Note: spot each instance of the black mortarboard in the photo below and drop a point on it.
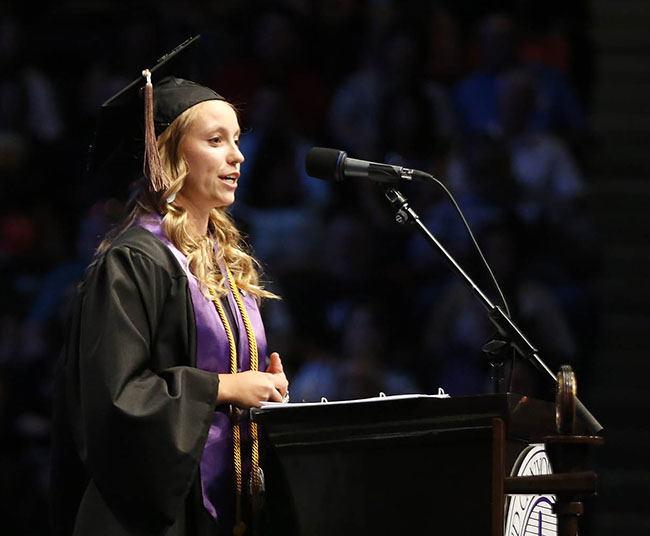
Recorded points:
(119, 142)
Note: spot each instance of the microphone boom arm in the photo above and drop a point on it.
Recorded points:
(503, 323)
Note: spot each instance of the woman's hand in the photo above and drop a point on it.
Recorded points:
(249, 389)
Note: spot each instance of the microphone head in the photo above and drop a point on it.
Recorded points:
(323, 163)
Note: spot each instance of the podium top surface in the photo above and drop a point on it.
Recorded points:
(524, 418)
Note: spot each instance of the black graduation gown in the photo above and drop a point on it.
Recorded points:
(132, 412)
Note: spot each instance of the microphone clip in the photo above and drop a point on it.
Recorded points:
(402, 210)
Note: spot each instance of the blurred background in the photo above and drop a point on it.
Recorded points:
(534, 114)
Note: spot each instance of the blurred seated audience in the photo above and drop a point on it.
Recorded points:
(458, 327)
(557, 108)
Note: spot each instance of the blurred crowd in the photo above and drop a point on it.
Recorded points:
(492, 98)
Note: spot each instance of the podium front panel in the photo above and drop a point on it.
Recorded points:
(419, 464)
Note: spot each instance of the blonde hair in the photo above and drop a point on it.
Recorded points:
(202, 260)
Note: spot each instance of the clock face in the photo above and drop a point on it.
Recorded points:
(531, 515)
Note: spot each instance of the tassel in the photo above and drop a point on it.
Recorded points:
(152, 167)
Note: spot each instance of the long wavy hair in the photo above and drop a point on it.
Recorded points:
(202, 260)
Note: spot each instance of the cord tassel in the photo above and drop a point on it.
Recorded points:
(152, 167)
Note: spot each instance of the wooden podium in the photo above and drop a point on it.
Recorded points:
(414, 465)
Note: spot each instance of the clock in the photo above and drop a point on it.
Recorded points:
(531, 515)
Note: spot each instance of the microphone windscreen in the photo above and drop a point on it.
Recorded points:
(322, 163)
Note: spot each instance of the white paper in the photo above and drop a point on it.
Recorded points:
(381, 398)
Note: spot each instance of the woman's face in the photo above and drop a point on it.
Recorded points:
(211, 148)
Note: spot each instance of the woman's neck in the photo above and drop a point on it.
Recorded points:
(197, 216)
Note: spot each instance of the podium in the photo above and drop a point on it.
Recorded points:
(420, 465)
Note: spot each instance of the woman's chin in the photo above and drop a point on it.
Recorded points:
(224, 201)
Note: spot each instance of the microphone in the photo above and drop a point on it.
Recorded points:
(334, 165)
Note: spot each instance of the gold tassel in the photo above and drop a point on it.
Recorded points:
(152, 167)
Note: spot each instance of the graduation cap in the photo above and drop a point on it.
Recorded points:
(130, 121)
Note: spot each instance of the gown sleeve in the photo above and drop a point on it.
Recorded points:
(140, 412)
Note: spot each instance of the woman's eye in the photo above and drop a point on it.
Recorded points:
(216, 139)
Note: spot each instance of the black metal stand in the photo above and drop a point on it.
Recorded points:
(495, 350)
(504, 325)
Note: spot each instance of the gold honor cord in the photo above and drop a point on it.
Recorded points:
(240, 527)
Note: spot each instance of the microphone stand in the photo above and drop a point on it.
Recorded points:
(504, 325)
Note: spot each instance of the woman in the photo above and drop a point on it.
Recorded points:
(166, 341)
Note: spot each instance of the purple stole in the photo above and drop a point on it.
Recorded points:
(213, 354)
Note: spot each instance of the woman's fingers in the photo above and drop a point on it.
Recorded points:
(279, 379)
(275, 364)
(275, 395)
(248, 389)
(281, 384)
